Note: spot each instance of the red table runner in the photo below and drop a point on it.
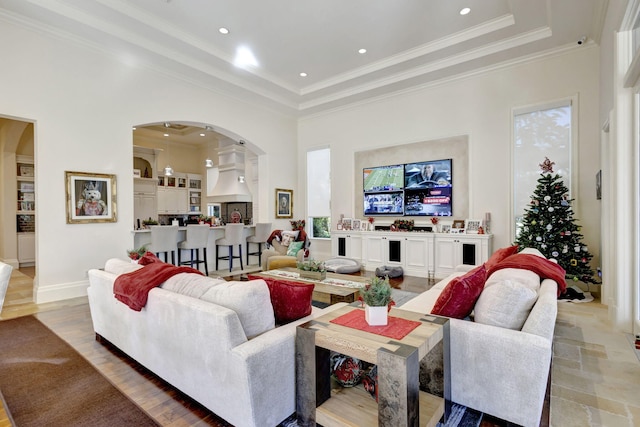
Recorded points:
(396, 328)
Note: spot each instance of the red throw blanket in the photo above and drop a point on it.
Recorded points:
(133, 288)
(542, 267)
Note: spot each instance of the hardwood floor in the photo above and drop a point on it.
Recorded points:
(71, 320)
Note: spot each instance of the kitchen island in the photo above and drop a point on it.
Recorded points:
(143, 237)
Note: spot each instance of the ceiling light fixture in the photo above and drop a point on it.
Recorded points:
(167, 124)
(465, 11)
(223, 30)
(202, 134)
(245, 58)
(362, 51)
(303, 74)
(168, 170)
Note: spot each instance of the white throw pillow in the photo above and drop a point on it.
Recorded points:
(250, 300)
(516, 275)
(118, 266)
(190, 284)
(506, 304)
(532, 251)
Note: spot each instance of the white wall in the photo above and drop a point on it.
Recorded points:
(479, 106)
(84, 104)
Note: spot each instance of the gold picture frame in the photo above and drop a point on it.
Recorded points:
(284, 203)
(91, 197)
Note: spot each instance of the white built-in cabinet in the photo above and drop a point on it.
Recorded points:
(194, 189)
(348, 245)
(26, 210)
(145, 201)
(456, 249)
(172, 194)
(419, 254)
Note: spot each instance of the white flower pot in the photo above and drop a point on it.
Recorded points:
(375, 316)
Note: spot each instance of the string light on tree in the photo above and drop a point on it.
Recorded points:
(549, 226)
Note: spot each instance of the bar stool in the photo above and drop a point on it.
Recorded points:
(164, 239)
(263, 230)
(197, 238)
(232, 236)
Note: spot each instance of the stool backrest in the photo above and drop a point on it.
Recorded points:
(5, 276)
(263, 231)
(198, 235)
(233, 234)
(164, 238)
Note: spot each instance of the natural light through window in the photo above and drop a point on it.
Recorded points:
(539, 133)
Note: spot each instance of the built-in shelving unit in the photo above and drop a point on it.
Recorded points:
(25, 209)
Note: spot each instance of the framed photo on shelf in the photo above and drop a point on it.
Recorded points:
(355, 224)
(472, 226)
(91, 197)
(284, 203)
(445, 228)
(346, 223)
(458, 223)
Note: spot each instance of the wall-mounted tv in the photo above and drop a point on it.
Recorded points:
(412, 189)
(387, 203)
(383, 178)
(428, 188)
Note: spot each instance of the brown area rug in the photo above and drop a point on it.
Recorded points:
(46, 382)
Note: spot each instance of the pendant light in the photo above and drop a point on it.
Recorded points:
(208, 163)
(168, 170)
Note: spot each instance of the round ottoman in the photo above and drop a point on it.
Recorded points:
(342, 265)
(392, 272)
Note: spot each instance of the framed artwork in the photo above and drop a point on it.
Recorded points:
(339, 226)
(355, 224)
(599, 185)
(284, 203)
(91, 197)
(445, 228)
(346, 223)
(458, 223)
(472, 226)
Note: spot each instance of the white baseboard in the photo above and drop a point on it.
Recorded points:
(61, 291)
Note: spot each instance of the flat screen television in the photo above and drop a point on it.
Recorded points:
(386, 203)
(428, 188)
(383, 178)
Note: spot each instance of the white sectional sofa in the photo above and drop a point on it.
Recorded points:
(216, 341)
(501, 366)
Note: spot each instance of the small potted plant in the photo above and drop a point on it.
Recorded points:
(376, 296)
(311, 269)
(136, 254)
(149, 222)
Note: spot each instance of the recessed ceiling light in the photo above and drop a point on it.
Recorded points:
(464, 11)
(166, 134)
(223, 30)
(134, 128)
(362, 51)
(202, 134)
(245, 58)
(303, 74)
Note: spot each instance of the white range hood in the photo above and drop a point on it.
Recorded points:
(231, 185)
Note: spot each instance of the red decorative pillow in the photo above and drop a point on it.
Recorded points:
(499, 255)
(460, 295)
(290, 301)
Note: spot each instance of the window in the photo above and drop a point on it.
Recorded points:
(543, 131)
(319, 192)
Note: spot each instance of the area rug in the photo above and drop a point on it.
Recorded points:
(46, 382)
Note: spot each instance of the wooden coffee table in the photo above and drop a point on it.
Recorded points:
(400, 402)
(322, 292)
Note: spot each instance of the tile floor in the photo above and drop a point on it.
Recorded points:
(595, 374)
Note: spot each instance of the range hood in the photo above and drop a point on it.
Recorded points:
(231, 185)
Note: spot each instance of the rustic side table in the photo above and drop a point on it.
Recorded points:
(400, 402)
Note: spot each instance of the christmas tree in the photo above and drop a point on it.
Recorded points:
(548, 225)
